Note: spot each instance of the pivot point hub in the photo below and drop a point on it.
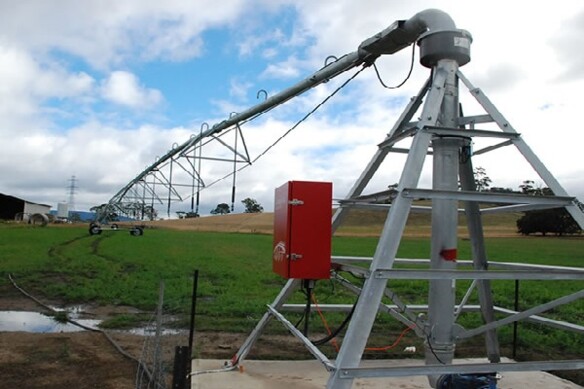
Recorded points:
(451, 44)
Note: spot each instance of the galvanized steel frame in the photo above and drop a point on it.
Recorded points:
(346, 367)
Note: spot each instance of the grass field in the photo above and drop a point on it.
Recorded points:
(236, 281)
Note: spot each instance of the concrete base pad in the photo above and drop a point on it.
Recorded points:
(311, 374)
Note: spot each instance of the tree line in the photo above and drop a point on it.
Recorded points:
(557, 221)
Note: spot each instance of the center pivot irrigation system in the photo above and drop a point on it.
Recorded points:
(440, 131)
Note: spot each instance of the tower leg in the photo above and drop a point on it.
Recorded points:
(479, 255)
(291, 285)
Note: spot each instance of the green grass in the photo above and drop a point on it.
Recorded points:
(123, 321)
(236, 281)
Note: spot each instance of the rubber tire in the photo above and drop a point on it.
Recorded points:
(94, 229)
(137, 231)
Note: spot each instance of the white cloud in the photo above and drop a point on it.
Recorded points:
(565, 41)
(288, 69)
(238, 89)
(517, 59)
(106, 33)
(123, 88)
(24, 76)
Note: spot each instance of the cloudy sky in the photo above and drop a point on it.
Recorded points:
(98, 89)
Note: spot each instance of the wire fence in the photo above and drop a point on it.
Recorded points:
(156, 365)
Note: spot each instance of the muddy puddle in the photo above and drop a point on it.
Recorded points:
(36, 322)
(26, 321)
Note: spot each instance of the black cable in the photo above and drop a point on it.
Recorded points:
(309, 113)
(432, 349)
(307, 307)
(333, 334)
(291, 128)
(332, 283)
(303, 312)
(407, 77)
(299, 321)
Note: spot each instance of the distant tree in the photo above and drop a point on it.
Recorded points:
(556, 221)
(497, 189)
(221, 209)
(482, 180)
(528, 187)
(252, 206)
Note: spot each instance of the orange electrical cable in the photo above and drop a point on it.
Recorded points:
(334, 341)
(326, 326)
(399, 338)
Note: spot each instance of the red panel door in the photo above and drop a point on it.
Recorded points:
(280, 260)
(302, 230)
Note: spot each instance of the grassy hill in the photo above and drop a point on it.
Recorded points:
(358, 223)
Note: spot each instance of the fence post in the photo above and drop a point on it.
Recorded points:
(515, 324)
(181, 368)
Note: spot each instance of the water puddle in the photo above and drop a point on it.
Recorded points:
(26, 321)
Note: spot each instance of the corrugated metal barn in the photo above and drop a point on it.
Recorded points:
(11, 206)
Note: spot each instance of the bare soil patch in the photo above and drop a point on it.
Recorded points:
(74, 360)
(87, 359)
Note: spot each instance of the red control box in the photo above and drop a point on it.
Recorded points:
(302, 230)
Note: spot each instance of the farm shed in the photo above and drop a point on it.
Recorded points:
(11, 206)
